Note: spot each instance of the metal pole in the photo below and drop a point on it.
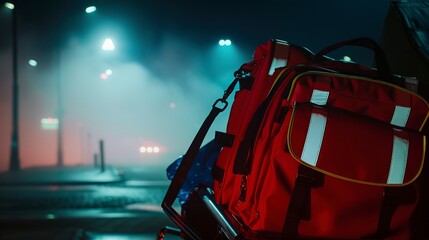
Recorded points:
(95, 160)
(60, 113)
(14, 147)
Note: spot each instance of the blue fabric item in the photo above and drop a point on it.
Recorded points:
(200, 172)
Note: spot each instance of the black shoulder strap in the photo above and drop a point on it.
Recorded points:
(190, 155)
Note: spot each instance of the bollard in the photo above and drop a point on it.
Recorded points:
(102, 155)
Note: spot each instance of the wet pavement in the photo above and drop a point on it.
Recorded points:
(83, 202)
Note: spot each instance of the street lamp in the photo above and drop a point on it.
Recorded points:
(60, 113)
(225, 42)
(90, 9)
(14, 146)
(9, 5)
(32, 62)
(108, 45)
(60, 110)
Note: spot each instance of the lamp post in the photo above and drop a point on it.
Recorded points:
(60, 108)
(60, 114)
(14, 146)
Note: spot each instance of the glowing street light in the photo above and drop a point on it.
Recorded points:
(32, 62)
(90, 9)
(225, 42)
(108, 45)
(9, 5)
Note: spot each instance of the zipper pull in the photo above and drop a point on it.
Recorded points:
(243, 187)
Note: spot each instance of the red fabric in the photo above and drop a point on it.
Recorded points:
(366, 97)
(356, 151)
(356, 147)
(244, 106)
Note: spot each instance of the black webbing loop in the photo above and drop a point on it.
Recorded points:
(392, 199)
(224, 139)
(246, 82)
(300, 203)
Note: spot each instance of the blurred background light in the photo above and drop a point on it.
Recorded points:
(142, 149)
(32, 62)
(90, 9)
(149, 149)
(50, 216)
(49, 123)
(9, 5)
(108, 45)
(104, 76)
(172, 105)
(225, 42)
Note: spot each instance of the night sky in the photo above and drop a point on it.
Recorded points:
(167, 67)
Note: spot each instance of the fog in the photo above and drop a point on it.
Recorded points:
(161, 105)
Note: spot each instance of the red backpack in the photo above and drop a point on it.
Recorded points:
(316, 148)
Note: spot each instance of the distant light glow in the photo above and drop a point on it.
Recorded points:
(9, 5)
(108, 45)
(50, 216)
(49, 123)
(109, 72)
(104, 76)
(90, 9)
(172, 105)
(225, 42)
(347, 59)
(32, 62)
(54, 188)
(149, 149)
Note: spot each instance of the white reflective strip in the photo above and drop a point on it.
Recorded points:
(400, 116)
(276, 63)
(319, 97)
(398, 163)
(314, 139)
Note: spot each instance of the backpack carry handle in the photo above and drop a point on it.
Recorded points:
(382, 65)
